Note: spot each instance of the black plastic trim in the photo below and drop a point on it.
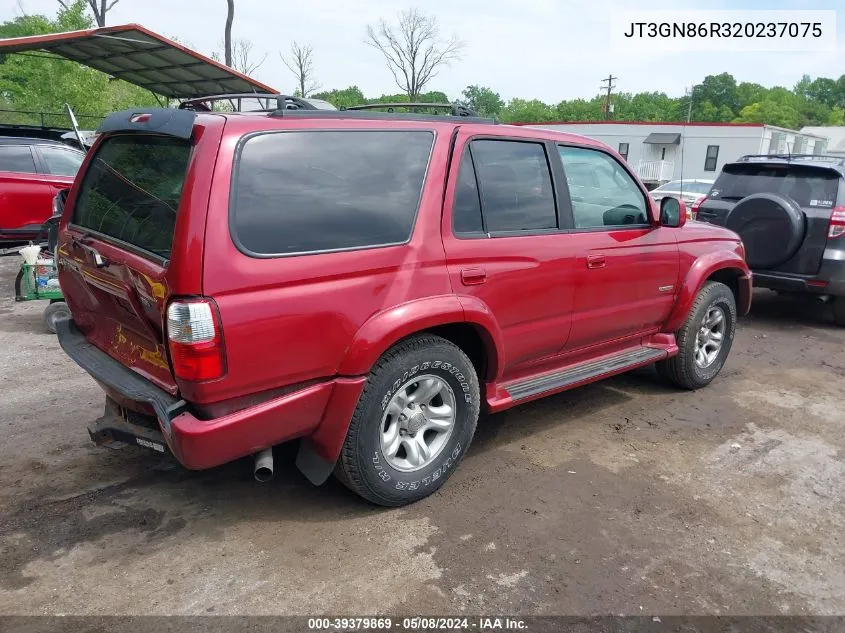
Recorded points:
(585, 371)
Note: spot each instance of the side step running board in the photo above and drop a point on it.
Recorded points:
(580, 373)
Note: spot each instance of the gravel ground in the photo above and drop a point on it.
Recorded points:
(623, 497)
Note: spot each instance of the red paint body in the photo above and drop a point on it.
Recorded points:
(314, 325)
(26, 199)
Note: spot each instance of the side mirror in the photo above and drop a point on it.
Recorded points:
(673, 212)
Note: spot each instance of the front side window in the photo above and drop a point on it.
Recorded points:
(16, 158)
(711, 158)
(316, 191)
(61, 162)
(515, 185)
(603, 194)
(132, 188)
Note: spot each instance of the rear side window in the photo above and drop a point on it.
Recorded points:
(809, 187)
(16, 158)
(61, 162)
(131, 191)
(515, 184)
(315, 191)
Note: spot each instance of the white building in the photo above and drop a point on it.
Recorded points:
(835, 134)
(660, 152)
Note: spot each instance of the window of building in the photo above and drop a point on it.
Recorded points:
(623, 150)
(711, 158)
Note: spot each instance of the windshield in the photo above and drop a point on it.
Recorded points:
(131, 190)
(809, 187)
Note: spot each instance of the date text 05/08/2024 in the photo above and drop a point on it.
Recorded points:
(417, 623)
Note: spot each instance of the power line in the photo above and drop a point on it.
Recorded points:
(609, 89)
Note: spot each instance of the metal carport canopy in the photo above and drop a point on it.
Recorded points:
(141, 57)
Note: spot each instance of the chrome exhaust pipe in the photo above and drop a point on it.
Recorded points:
(263, 470)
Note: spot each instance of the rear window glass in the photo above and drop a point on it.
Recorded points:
(302, 192)
(131, 190)
(807, 186)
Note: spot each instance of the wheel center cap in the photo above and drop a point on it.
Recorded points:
(416, 422)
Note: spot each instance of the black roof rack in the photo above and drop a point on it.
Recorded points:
(825, 158)
(455, 109)
(366, 111)
(273, 102)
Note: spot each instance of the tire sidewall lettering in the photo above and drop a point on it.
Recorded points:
(433, 473)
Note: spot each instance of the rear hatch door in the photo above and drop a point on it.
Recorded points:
(813, 188)
(116, 245)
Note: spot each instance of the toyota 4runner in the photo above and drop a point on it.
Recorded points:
(367, 282)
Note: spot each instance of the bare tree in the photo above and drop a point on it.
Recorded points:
(413, 49)
(227, 34)
(99, 7)
(242, 59)
(301, 64)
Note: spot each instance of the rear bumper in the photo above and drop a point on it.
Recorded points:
(195, 442)
(830, 280)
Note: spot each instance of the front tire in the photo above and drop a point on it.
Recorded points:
(704, 339)
(413, 424)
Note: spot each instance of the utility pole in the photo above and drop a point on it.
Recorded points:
(609, 88)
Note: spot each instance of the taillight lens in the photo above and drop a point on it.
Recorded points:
(694, 209)
(837, 222)
(196, 340)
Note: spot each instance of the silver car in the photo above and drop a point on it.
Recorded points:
(688, 190)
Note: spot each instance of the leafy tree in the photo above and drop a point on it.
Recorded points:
(837, 117)
(98, 7)
(342, 98)
(483, 100)
(520, 110)
(720, 90)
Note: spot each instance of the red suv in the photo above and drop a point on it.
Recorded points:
(32, 172)
(367, 282)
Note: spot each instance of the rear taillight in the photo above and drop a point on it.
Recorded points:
(196, 340)
(694, 209)
(837, 222)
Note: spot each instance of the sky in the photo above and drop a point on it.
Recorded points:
(545, 49)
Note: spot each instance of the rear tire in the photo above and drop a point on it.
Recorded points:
(839, 311)
(404, 443)
(702, 356)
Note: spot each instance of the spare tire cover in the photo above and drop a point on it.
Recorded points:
(771, 227)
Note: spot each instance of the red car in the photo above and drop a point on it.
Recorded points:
(32, 172)
(368, 282)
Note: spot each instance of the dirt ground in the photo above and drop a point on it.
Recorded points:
(623, 497)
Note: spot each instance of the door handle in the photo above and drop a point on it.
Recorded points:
(473, 276)
(596, 261)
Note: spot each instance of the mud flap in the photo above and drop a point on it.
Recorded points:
(315, 468)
